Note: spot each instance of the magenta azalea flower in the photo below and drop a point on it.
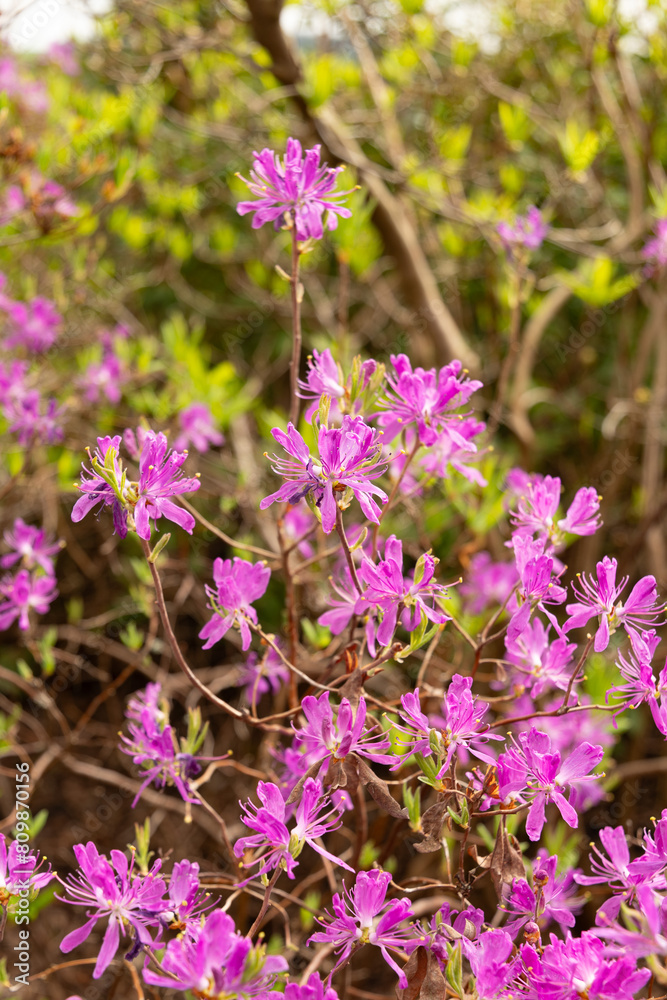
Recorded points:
(324, 377)
(197, 428)
(296, 191)
(542, 662)
(216, 961)
(531, 769)
(491, 962)
(654, 859)
(600, 597)
(33, 95)
(96, 490)
(538, 584)
(425, 399)
(237, 584)
(280, 847)
(655, 250)
(578, 967)
(160, 479)
(528, 231)
(391, 593)
(135, 504)
(12, 384)
(261, 675)
(550, 897)
(614, 871)
(314, 989)
(363, 917)
(459, 726)
(63, 54)
(487, 583)
(33, 325)
(32, 418)
(103, 377)
(19, 870)
(23, 592)
(343, 603)
(30, 545)
(640, 682)
(349, 459)
(186, 901)
(115, 893)
(455, 449)
(152, 745)
(324, 739)
(538, 508)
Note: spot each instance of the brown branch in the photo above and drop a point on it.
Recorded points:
(400, 238)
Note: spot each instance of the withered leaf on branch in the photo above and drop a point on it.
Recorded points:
(297, 791)
(336, 774)
(432, 821)
(506, 861)
(353, 687)
(378, 789)
(425, 978)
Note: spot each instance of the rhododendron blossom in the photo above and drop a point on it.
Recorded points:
(237, 584)
(294, 191)
(349, 459)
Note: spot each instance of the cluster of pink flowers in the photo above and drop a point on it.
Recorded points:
(27, 328)
(153, 745)
(531, 751)
(135, 503)
(32, 585)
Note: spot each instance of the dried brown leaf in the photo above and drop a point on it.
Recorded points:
(425, 978)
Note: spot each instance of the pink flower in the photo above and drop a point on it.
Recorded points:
(19, 870)
(296, 191)
(614, 872)
(261, 675)
(487, 583)
(600, 597)
(216, 961)
(528, 231)
(34, 325)
(460, 725)
(237, 584)
(550, 897)
(491, 962)
(543, 662)
(324, 377)
(538, 584)
(31, 546)
(391, 593)
(103, 377)
(655, 250)
(280, 847)
(324, 739)
(33, 419)
(530, 768)
(349, 458)
(115, 893)
(314, 989)
(159, 479)
(579, 967)
(197, 429)
(538, 509)
(362, 917)
(425, 399)
(63, 54)
(23, 592)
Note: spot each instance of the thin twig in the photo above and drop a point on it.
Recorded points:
(265, 903)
